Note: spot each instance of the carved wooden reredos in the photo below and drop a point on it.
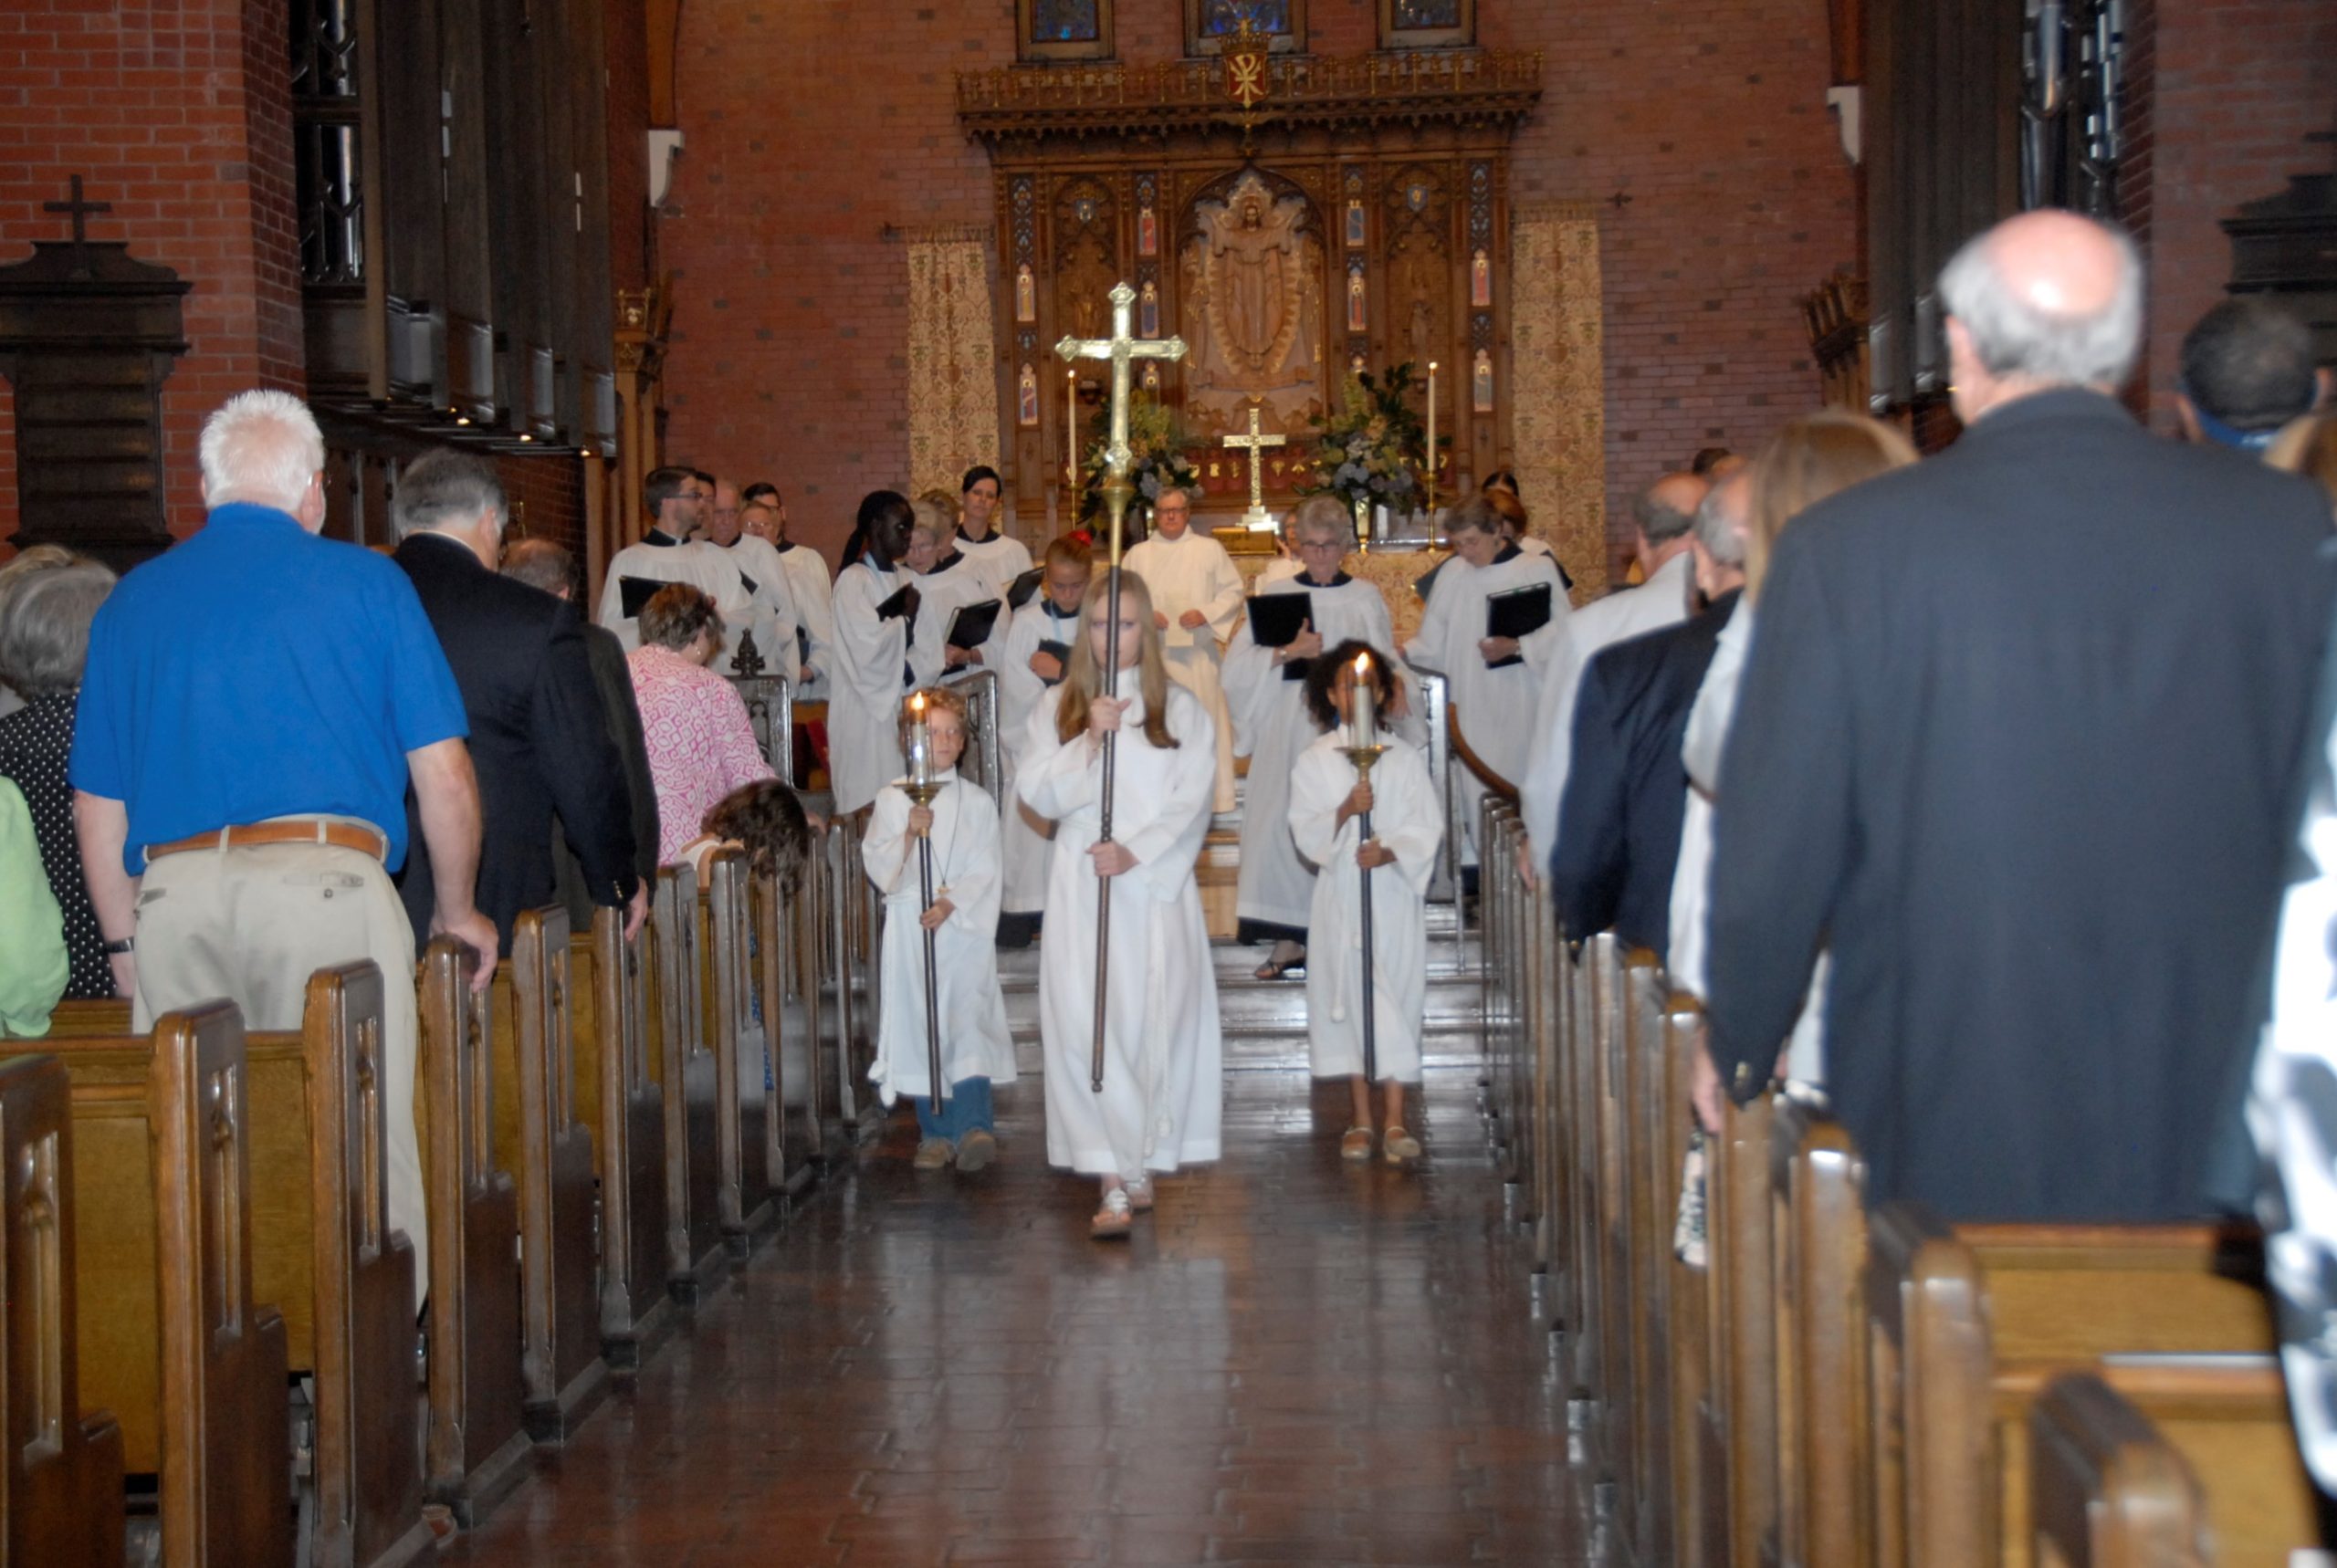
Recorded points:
(1364, 224)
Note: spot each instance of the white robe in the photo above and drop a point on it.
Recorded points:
(1661, 602)
(999, 560)
(1163, 1067)
(1192, 571)
(807, 583)
(941, 594)
(1021, 693)
(1488, 704)
(701, 564)
(1407, 817)
(866, 687)
(975, 1040)
(773, 616)
(1271, 727)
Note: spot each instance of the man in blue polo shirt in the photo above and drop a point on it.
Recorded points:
(255, 702)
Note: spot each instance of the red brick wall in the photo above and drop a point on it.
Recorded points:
(178, 112)
(2222, 94)
(790, 315)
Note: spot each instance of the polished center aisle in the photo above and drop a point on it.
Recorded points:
(1294, 1361)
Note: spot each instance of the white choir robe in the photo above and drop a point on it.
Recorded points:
(1407, 817)
(1628, 613)
(1020, 692)
(866, 687)
(807, 583)
(1271, 727)
(1163, 1053)
(1279, 570)
(998, 559)
(975, 1039)
(1488, 704)
(773, 616)
(698, 562)
(1192, 571)
(948, 588)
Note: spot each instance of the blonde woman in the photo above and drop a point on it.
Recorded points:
(1159, 1108)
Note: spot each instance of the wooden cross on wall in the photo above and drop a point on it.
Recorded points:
(80, 210)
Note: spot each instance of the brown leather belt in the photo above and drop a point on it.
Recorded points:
(290, 831)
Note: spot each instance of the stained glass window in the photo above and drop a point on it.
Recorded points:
(1222, 17)
(1064, 22)
(1428, 13)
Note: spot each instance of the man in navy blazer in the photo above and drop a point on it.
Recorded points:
(1626, 791)
(539, 739)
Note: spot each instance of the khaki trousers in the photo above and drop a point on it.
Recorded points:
(252, 926)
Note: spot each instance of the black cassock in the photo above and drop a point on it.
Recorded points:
(2015, 740)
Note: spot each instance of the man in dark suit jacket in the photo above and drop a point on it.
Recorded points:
(1627, 789)
(537, 738)
(542, 564)
(2013, 743)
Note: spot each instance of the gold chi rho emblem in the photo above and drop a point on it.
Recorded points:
(1245, 64)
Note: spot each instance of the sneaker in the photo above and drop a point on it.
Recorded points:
(978, 1149)
(933, 1153)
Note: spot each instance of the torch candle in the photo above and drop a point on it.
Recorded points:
(920, 743)
(1070, 427)
(1431, 437)
(1365, 722)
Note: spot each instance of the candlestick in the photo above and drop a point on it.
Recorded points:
(1431, 437)
(1366, 701)
(1070, 427)
(920, 744)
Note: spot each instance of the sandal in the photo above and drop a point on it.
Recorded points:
(1354, 1144)
(1140, 1191)
(1275, 968)
(1400, 1146)
(1112, 1220)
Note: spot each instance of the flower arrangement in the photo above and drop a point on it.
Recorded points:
(1371, 449)
(1159, 445)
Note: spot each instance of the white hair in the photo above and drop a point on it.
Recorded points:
(1723, 517)
(2016, 337)
(262, 448)
(1324, 516)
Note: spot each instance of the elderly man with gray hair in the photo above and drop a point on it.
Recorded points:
(2013, 744)
(256, 701)
(1627, 792)
(538, 734)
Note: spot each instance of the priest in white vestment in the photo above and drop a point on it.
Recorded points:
(1197, 594)
(1038, 649)
(807, 585)
(1265, 692)
(998, 559)
(1407, 829)
(674, 551)
(871, 669)
(1163, 1073)
(1666, 514)
(977, 1048)
(1494, 680)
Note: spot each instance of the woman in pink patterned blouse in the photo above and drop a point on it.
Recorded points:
(701, 745)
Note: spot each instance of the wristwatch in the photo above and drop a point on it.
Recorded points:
(115, 949)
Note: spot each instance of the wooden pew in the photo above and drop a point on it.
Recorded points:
(786, 930)
(551, 1151)
(695, 1254)
(618, 1094)
(1698, 1481)
(107, 1019)
(320, 1246)
(478, 1446)
(1744, 1421)
(1652, 1205)
(2109, 1490)
(61, 1477)
(1974, 1321)
(748, 1160)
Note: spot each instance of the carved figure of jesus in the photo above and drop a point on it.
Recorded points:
(1256, 279)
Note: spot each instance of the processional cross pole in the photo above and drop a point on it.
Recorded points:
(1256, 519)
(1123, 347)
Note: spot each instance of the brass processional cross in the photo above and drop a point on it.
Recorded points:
(1123, 347)
(1256, 519)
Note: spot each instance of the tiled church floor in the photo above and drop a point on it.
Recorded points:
(1293, 1362)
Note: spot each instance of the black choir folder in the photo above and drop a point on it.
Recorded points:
(901, 601)
(1019, 592)
(970, 627)
(637, 592)
(1275, 621)
(1518, 612)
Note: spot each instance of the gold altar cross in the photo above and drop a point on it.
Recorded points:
(1257, 517)
(1122, 346)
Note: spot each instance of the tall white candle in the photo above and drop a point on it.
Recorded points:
(920, 743)
(1364, 721)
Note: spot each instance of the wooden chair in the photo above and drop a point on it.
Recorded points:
(618, 1094)
(694, 1255)
(561, 1357)
(61, 1476)
(2109, 1490)
(478, 1447)
(745, 1074)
